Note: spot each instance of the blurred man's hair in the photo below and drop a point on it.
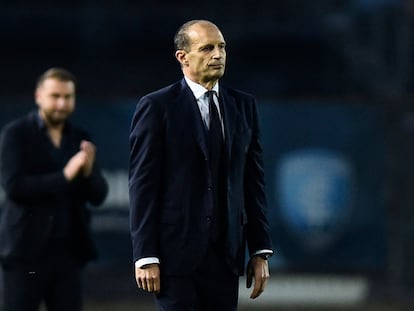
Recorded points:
(57, 73)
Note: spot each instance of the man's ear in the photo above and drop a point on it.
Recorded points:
(36, 96)
(181, 56)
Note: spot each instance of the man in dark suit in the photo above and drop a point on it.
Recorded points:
(49, 173)
(196, 183)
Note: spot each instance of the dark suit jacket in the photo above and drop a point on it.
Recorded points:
(35, 187)
(170, 180)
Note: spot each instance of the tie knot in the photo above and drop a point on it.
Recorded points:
(210, 95)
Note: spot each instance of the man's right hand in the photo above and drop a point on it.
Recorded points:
(75, 165)
(148, 278)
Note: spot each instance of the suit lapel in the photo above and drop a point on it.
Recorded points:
(230, 113)
(194, 116)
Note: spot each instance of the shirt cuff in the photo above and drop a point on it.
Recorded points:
(262, 251)
(146, 261)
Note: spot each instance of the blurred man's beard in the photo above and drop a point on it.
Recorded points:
(56, 119)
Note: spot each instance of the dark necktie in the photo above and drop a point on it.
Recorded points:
(215, 131)
(216, 143)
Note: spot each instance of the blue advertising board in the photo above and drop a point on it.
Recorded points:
(325, 175)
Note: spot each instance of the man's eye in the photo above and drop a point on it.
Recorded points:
(206, 48)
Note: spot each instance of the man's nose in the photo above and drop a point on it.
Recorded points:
(61, 102)
(218, 53)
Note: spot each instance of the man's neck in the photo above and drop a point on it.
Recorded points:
(54, 131)
(55, 135)
(207, 85)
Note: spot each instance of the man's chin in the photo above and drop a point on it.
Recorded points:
(217, 74)
(57, 121)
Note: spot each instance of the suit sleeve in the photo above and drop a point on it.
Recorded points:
(257, 228)
(95, 187)
(19, 185)
(145, 169)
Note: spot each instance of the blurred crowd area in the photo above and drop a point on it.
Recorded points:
(334, 83)
(297, 48)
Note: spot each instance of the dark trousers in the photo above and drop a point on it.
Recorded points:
(212, 287)
(55, 280)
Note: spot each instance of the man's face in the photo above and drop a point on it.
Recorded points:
(206, 60)
(56, 100)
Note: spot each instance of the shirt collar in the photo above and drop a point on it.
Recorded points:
(199, 90)
(40, 123)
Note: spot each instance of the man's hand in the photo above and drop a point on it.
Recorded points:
(81, 162)
(90, 151)
(148, 278)
(259, 270)
(74, 165)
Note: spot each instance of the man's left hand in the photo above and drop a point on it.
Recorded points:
(258, 269)
(90, 150)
